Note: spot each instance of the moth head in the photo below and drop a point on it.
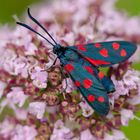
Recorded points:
(57, 49)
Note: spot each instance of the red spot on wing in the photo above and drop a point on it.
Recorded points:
(97, 45)
(97, 62)
(77, 83)
(69, 67)
(104, 52)
(89, 69)
(116, 45)
(101, 99)
(101, 75)
(123, 53)
(81, 47)
(87, 83)
(91, 98)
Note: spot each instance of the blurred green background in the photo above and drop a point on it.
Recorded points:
(15, 7)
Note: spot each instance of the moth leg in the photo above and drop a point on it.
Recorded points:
(107, 82)
(62, 73)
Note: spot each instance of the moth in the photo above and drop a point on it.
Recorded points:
(82, 63)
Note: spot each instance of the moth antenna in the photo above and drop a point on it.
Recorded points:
(41, 26)
(31, 29)
(64, 90)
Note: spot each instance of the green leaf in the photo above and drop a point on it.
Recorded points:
(130, 6)
(72, 125)
(8, 8)
(79, 113)
(26, 103)
(136, 66)
(74, 92)
(6, 112)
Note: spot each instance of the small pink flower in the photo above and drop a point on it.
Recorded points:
(135, 100)
(69, 37)
(5, 35)
(7, 57)
(68, 85)
(6, 128)
(108, 137)
(24, 133)
(77, 16)
(86, 109)
(37, 109)
(126, 115)
(131, 79)
(51, 60)
(135, 58)
(58, 124)
(30, 49)
(21, 114)
(23, 38)
(120, 88)
(39, 77)
(116, 135)
(17, 96)
(111, 22)
(86, 135)
(110, 115)
(109, 4)
(49, 13)
(61, 132)
(2, 87)
(21, 66)
(132, 22)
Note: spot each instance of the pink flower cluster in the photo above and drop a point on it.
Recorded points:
(32, 106)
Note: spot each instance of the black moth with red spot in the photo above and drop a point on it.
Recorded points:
(83, 69)
(82, 61)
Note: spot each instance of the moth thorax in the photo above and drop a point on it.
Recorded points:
(57, 48)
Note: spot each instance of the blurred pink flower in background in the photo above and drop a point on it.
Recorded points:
(39, 77)
(121, 90)
(60, 132)
(68, 85)
(6, 128)
(23, 133)
(30, 87)
(17, 96)
(86, 109)
(116, 135)
(2, 87)
(86, 134)
(37, 108)
(126, 114)
(21, 114)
